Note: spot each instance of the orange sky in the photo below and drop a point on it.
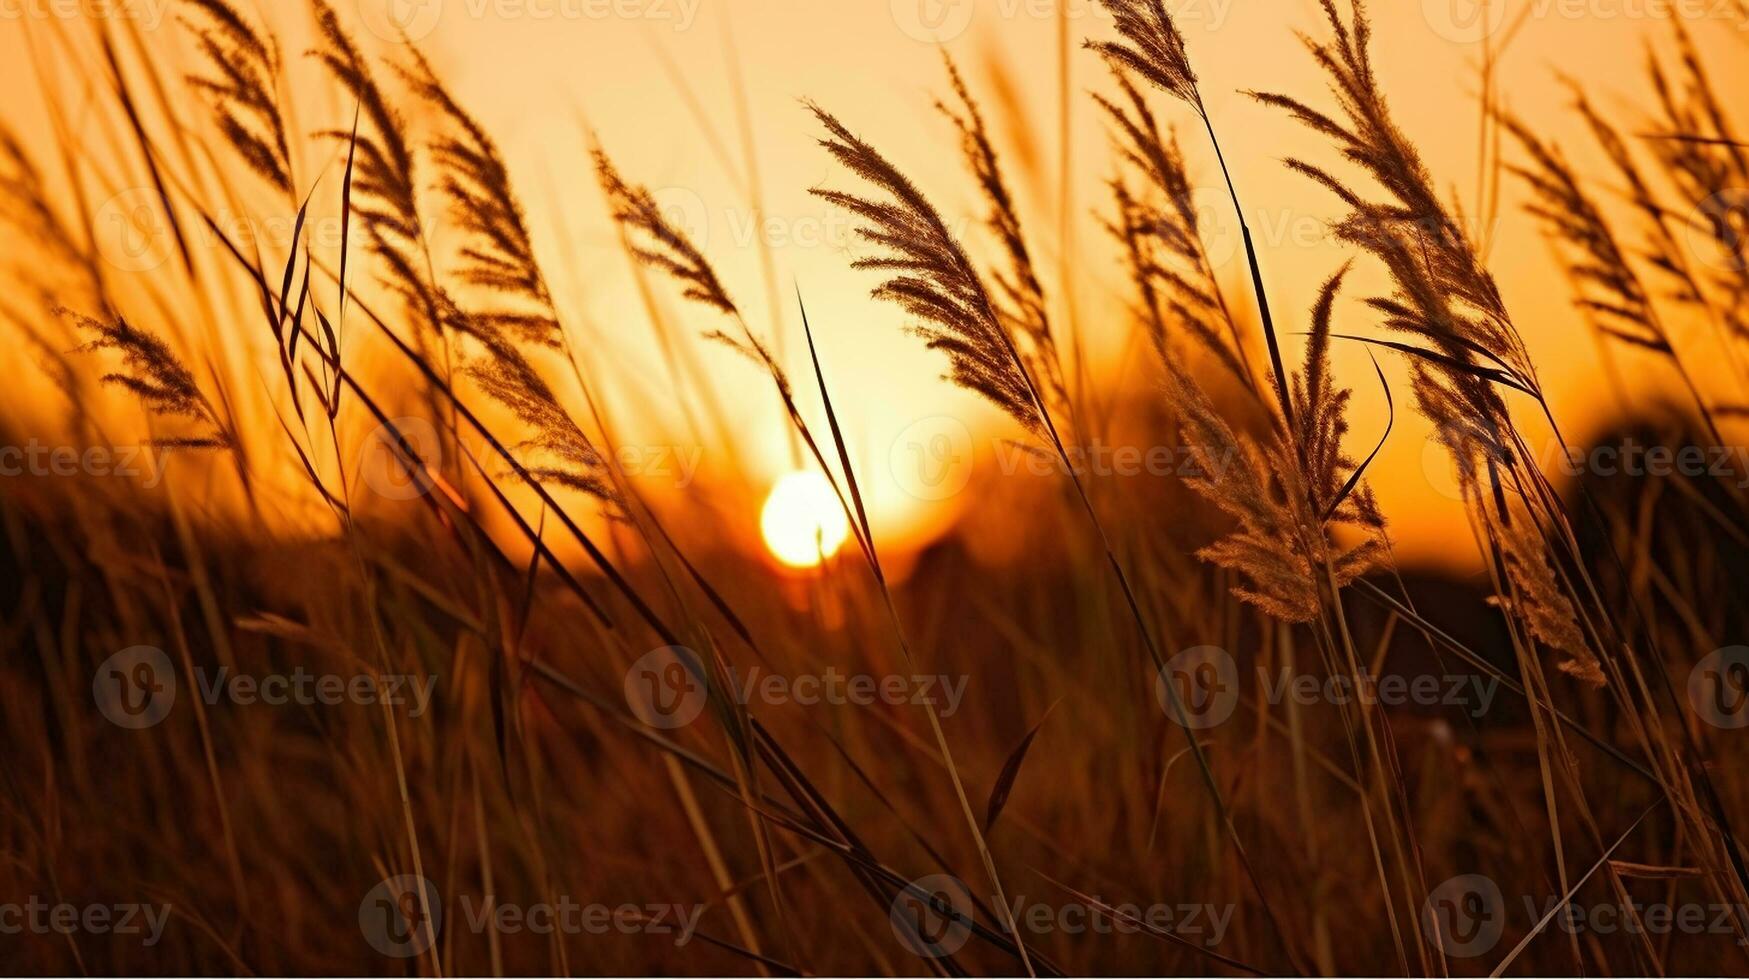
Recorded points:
(538, 73)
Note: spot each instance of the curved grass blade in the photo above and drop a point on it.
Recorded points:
(1011, 770)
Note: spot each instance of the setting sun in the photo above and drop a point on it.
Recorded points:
(802, 521)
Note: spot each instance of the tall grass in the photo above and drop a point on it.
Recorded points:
(532, 573)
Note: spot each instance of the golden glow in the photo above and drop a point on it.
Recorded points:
(509, 63)
(802, 521)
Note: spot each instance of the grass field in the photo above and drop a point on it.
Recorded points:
(353, 622)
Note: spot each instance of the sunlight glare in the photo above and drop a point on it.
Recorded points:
(802, 521)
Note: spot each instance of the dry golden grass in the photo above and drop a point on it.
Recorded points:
(1082, 760)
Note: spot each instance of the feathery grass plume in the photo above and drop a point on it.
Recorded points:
(1609, 287)
(1156, 52)
(1281, 545)
(1445, 295)
(1703, 159)
(651, 239)
(157, 376)
(659, 243)
(1480, 450)
(1708, 157)
(1538, 597)
(656, 242)
(1023, 295)
(244, 70)
(507, 377)
(1331, 475)
(1167, 251)
(1156, 48)
(1706, 98)
(1616, 293)
(1133, 230)
(385, 197)
(1663, 251)
(500, 257)
(931, 278)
